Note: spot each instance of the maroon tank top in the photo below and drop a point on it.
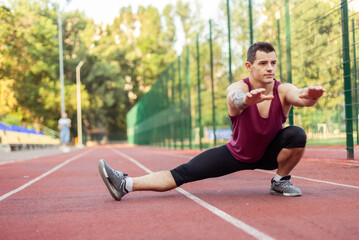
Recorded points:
(251, 132)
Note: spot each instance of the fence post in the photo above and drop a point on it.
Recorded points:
(167, 101)
(163, 97)
(189, 98)
(289, 53)
(347, 83)
(355, 81)
(279, 50)
(166, 126)
(199, 97)
(180, 99)
(173, 127)
(250, 21)
(229, 43)
(213, 102)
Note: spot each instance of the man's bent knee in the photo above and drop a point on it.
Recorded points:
(295, 137)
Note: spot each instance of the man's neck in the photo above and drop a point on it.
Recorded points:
(259, 84)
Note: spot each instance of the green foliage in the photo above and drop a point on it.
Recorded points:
(122, 61)
(12, 119)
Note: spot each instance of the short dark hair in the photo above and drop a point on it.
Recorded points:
(259, 46)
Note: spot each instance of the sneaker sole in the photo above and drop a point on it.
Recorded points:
(273, 192)
(101, 168)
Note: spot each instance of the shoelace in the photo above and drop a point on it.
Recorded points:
(285, 183)
(119, 174)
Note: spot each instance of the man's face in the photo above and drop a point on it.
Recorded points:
(264, 67)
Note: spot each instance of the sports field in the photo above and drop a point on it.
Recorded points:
(62, 196)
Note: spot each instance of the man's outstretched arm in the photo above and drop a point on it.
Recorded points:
(304, 97)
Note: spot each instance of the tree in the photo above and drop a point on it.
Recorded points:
(30, 47)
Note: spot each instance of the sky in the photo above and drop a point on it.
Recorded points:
(104, 11)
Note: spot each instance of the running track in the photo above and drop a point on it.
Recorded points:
(62, 196)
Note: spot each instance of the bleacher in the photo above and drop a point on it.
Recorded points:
(18, 138)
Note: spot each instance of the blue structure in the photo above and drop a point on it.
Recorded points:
(13, 128)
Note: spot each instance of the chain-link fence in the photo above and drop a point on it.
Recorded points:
(315, 41)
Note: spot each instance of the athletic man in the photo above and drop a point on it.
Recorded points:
(257, 107)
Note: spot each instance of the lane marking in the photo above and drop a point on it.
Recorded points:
(348, 164)
(313, 180)
(335, 161)
(43, 175)
(225, 216)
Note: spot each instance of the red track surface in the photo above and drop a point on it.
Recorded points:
(71, 201)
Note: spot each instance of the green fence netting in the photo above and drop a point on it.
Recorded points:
(316, 43)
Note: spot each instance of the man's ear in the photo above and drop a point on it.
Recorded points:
(248, 66)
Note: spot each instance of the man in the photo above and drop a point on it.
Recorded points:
(64, 124)
(257, 107)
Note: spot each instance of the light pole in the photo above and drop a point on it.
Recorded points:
(79, 117)
(61, 59)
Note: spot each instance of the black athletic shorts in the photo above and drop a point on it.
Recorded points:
(219, 161)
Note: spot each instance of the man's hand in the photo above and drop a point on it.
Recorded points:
(256, 96)
(312, 92)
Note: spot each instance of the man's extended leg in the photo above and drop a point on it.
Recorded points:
(158, 181)
(120, 184)
(211, 163)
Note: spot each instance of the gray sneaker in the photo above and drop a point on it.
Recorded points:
(114, 180)
(284, 187)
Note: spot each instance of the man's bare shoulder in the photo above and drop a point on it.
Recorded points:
(286, 85)
(284, 88)
(238, 85)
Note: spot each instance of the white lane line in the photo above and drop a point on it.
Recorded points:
(313, 180)
(225, 216)
(348, 164)
(42, 176)
(335, 161)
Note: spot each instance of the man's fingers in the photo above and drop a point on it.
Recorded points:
(267, 97)
(252, 94)
(312, 92)
(316, 88)
(257, 91)
(316, 92)
(256, 96)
